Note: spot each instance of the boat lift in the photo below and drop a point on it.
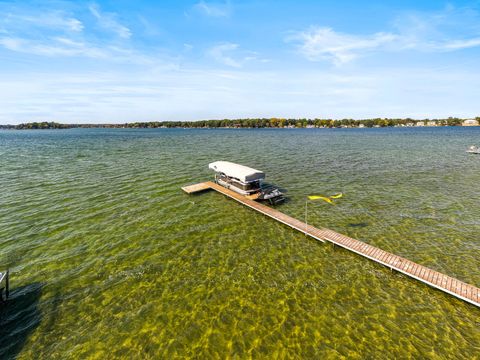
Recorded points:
(473, 150)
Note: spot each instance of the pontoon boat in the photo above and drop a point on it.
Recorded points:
(473, 150)
(246, 181)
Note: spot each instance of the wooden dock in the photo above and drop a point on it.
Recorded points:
(450, 285)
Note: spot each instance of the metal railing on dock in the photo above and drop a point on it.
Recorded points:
(448, 284)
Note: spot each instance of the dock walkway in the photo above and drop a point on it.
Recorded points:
(450, 285)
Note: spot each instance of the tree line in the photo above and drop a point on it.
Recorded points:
(251, 123)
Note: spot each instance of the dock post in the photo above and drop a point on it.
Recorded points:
(306, 210)
(7, 284)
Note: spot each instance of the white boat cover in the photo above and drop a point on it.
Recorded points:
(240, 172)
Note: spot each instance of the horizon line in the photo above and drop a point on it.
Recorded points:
(247, 118)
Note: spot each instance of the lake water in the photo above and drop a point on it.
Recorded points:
(110, 259)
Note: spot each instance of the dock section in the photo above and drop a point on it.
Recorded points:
(191, 189)
(450, 285)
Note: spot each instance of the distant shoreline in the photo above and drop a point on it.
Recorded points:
(256, 123)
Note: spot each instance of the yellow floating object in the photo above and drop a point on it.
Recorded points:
(336, 196)
(317, 197)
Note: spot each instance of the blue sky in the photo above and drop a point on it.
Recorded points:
(118, 61)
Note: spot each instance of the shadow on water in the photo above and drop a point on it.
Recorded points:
(285, 201)
(18, 318)
(358, 225)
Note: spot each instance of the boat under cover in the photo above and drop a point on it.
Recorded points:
(473, 150)
(246, 181)
(243, 173)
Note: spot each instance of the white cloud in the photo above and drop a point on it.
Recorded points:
(222, 54)
(13, 44)
(448, 30)
(187, 47)
(108, 22)
(53, 47)
(143, 95)
(451, 29)
(154, 88)
(54, 33)
(460, 44)
(231, 55)
(67, 47)
(322, 43)
(149, 28)
(56, 20)
(214, 9)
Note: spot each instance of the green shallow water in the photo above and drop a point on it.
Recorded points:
(110, 259)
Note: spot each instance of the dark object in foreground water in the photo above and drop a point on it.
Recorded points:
(4, 286)
(19, 317)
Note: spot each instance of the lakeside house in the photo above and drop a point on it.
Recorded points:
(470, 122)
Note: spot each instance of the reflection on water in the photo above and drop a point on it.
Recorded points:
(133, 268)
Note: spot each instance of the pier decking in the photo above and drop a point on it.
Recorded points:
(450, 285)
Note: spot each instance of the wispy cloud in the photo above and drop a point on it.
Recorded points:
(223, 9)
(109, 22)
(110, 96)
(54, 33)
(11, 43)
(230, 54)
(47, 20)
(57, 47)
(460, 44)
(67, 47)
(145, 68)
(449, 30)
(46, 33)
(222, 53)
(322, 43)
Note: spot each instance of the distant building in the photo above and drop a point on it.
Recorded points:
(432, 123)
(420, 123)
(470, 122)
(361, 126)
